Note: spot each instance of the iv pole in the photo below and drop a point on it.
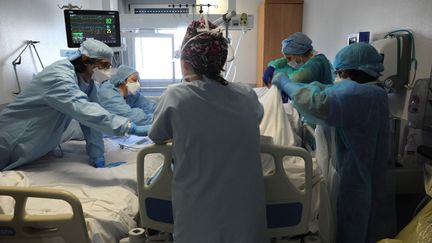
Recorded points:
(17, 61)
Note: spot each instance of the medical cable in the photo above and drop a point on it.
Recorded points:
(234, 55)
(207, 30)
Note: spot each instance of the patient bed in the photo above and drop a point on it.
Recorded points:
(109, 199)
(291, 179)
(288, 207)
(107, 195)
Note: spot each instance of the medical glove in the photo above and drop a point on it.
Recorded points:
(100, 163)
(268, 75)
(141, 131)
(115, 164)
(282, 81)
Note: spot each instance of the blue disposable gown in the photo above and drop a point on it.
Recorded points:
(139, 101)
(360, 115)
(94, 140)
(137, 108)
(218, 187)
(317, 68)
(33, 124)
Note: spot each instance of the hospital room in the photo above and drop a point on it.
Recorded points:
(216, 121)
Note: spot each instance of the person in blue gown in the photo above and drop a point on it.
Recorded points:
(357, 107)
(218, 185)
(120, 95)
(300, 62)
(32, 125)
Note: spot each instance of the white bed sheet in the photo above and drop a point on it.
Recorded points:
(282, 123)
(108, 195)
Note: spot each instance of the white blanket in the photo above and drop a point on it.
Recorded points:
(108, 195)
(282, 123)
(279, 122)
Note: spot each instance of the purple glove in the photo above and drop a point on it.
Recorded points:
(268, 75)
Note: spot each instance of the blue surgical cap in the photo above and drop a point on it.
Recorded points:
(296, 44)
(359, 56)
(94, 49)
(123, 72)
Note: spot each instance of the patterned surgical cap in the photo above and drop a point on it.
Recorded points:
(205, 49)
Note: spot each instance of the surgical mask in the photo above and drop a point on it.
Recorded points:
(338, 79)
(100, 75)
(295, 65)
(133, 88)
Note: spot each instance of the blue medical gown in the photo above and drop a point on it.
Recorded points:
(135, 107)
(218, 187)
(317, 68)
(139, 101)
(360, 115)
(33, 124)
(94, 139)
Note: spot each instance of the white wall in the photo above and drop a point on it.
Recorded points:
(39, 20)
(246, 58)
(326, 22)
(329, 22)
(43, 21)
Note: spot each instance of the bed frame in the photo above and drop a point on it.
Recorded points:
(24, 227)
(288, 208)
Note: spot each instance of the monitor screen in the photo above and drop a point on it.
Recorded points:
(100, 25)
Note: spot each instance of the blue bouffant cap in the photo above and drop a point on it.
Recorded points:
(297, 44)
(123, 72)
(359, 56)
(94, 49)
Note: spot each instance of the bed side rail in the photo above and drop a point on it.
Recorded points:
(24, 227)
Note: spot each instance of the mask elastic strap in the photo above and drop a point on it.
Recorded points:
(189, 76)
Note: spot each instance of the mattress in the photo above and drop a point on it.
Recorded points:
(108, 195)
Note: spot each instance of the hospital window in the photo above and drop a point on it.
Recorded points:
(154, 57)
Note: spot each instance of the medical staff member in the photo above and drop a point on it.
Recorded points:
(300, 62)
(120, 95)
(218, 187)
(357, 107)
(33, 124)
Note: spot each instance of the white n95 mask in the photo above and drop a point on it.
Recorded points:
(133, 88)
(100, 75)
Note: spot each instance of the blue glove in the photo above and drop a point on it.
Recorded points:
(100, 163)
(286, 85)
(141, 131)
(280, 79)
(268, 75)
